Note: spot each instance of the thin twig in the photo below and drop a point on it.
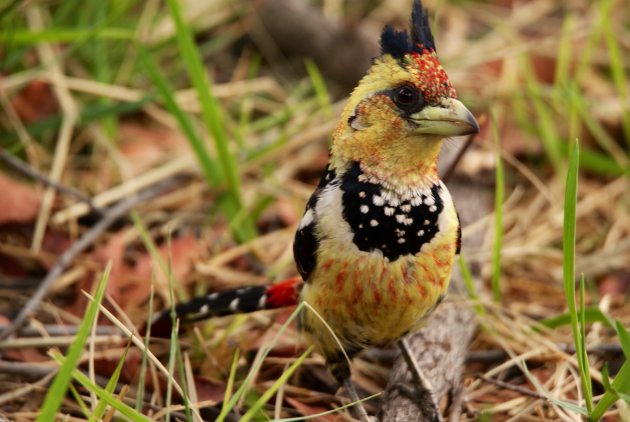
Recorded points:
(15, 283)
(460, 403)
(512, 387)
(110, 216)
(62, 330)
(12, 395)
(27, 369)
(48, 342)
(26, 170)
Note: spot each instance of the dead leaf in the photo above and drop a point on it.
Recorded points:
(616, 285)
(209, 390)
(307, 410)
(184, 251)
(282, 213)
(56, 242)
(130, 370)
(146, 146)
(130, 285)
(35, 102)
(27, 354)
(20, 202)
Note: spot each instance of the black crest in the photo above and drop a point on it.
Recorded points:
(398, 43)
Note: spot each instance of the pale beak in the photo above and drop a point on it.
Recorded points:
(449, 118)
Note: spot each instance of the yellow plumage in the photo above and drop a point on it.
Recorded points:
(384, 251)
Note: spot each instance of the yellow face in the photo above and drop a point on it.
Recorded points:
(397, 116)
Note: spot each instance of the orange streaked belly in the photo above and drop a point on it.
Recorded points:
(369, 300)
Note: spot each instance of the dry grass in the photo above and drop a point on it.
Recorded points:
(503, 58)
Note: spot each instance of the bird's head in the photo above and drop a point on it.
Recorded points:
(398, 115)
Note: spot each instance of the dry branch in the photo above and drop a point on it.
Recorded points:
(61, 330)
(512, 387)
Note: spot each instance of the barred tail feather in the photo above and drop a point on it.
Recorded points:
(229, 302)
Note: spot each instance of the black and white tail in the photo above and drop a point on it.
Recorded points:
(229, 302)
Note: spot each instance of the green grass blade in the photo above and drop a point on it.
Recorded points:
(591, 44)
(591, 314)
(65, 35)
(563, 62)
(145, 356)
(101, 393)
(618, 71)
(595, 127)
(569, 406)
(588, 386)
(57, 390)
(568, 237)
(624, 339)
(210, 109)
(230, 384)
(175, 350)
(101, 62)
(621, 383)
(208, 166)
(610, 388)
(172, 352)
(99, 411)
(564, 88)
(245, 385)
(80, 401)
(319, 85)
(469, 283)
(599, 162)
(172, 355)
(165, 267)
(568, 263)
(606, 378)
(250, 398)
(148, 243)
(276, 385)
(499, 195)
(545, 126)
(246, 109)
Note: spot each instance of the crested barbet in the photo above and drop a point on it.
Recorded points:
(377, 241)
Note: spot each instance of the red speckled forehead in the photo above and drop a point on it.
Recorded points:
(431, 79)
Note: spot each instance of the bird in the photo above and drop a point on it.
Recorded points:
(376, 244)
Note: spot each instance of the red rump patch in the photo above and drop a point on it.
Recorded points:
(284, 293)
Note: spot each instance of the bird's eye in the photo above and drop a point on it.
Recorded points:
(408, 99)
